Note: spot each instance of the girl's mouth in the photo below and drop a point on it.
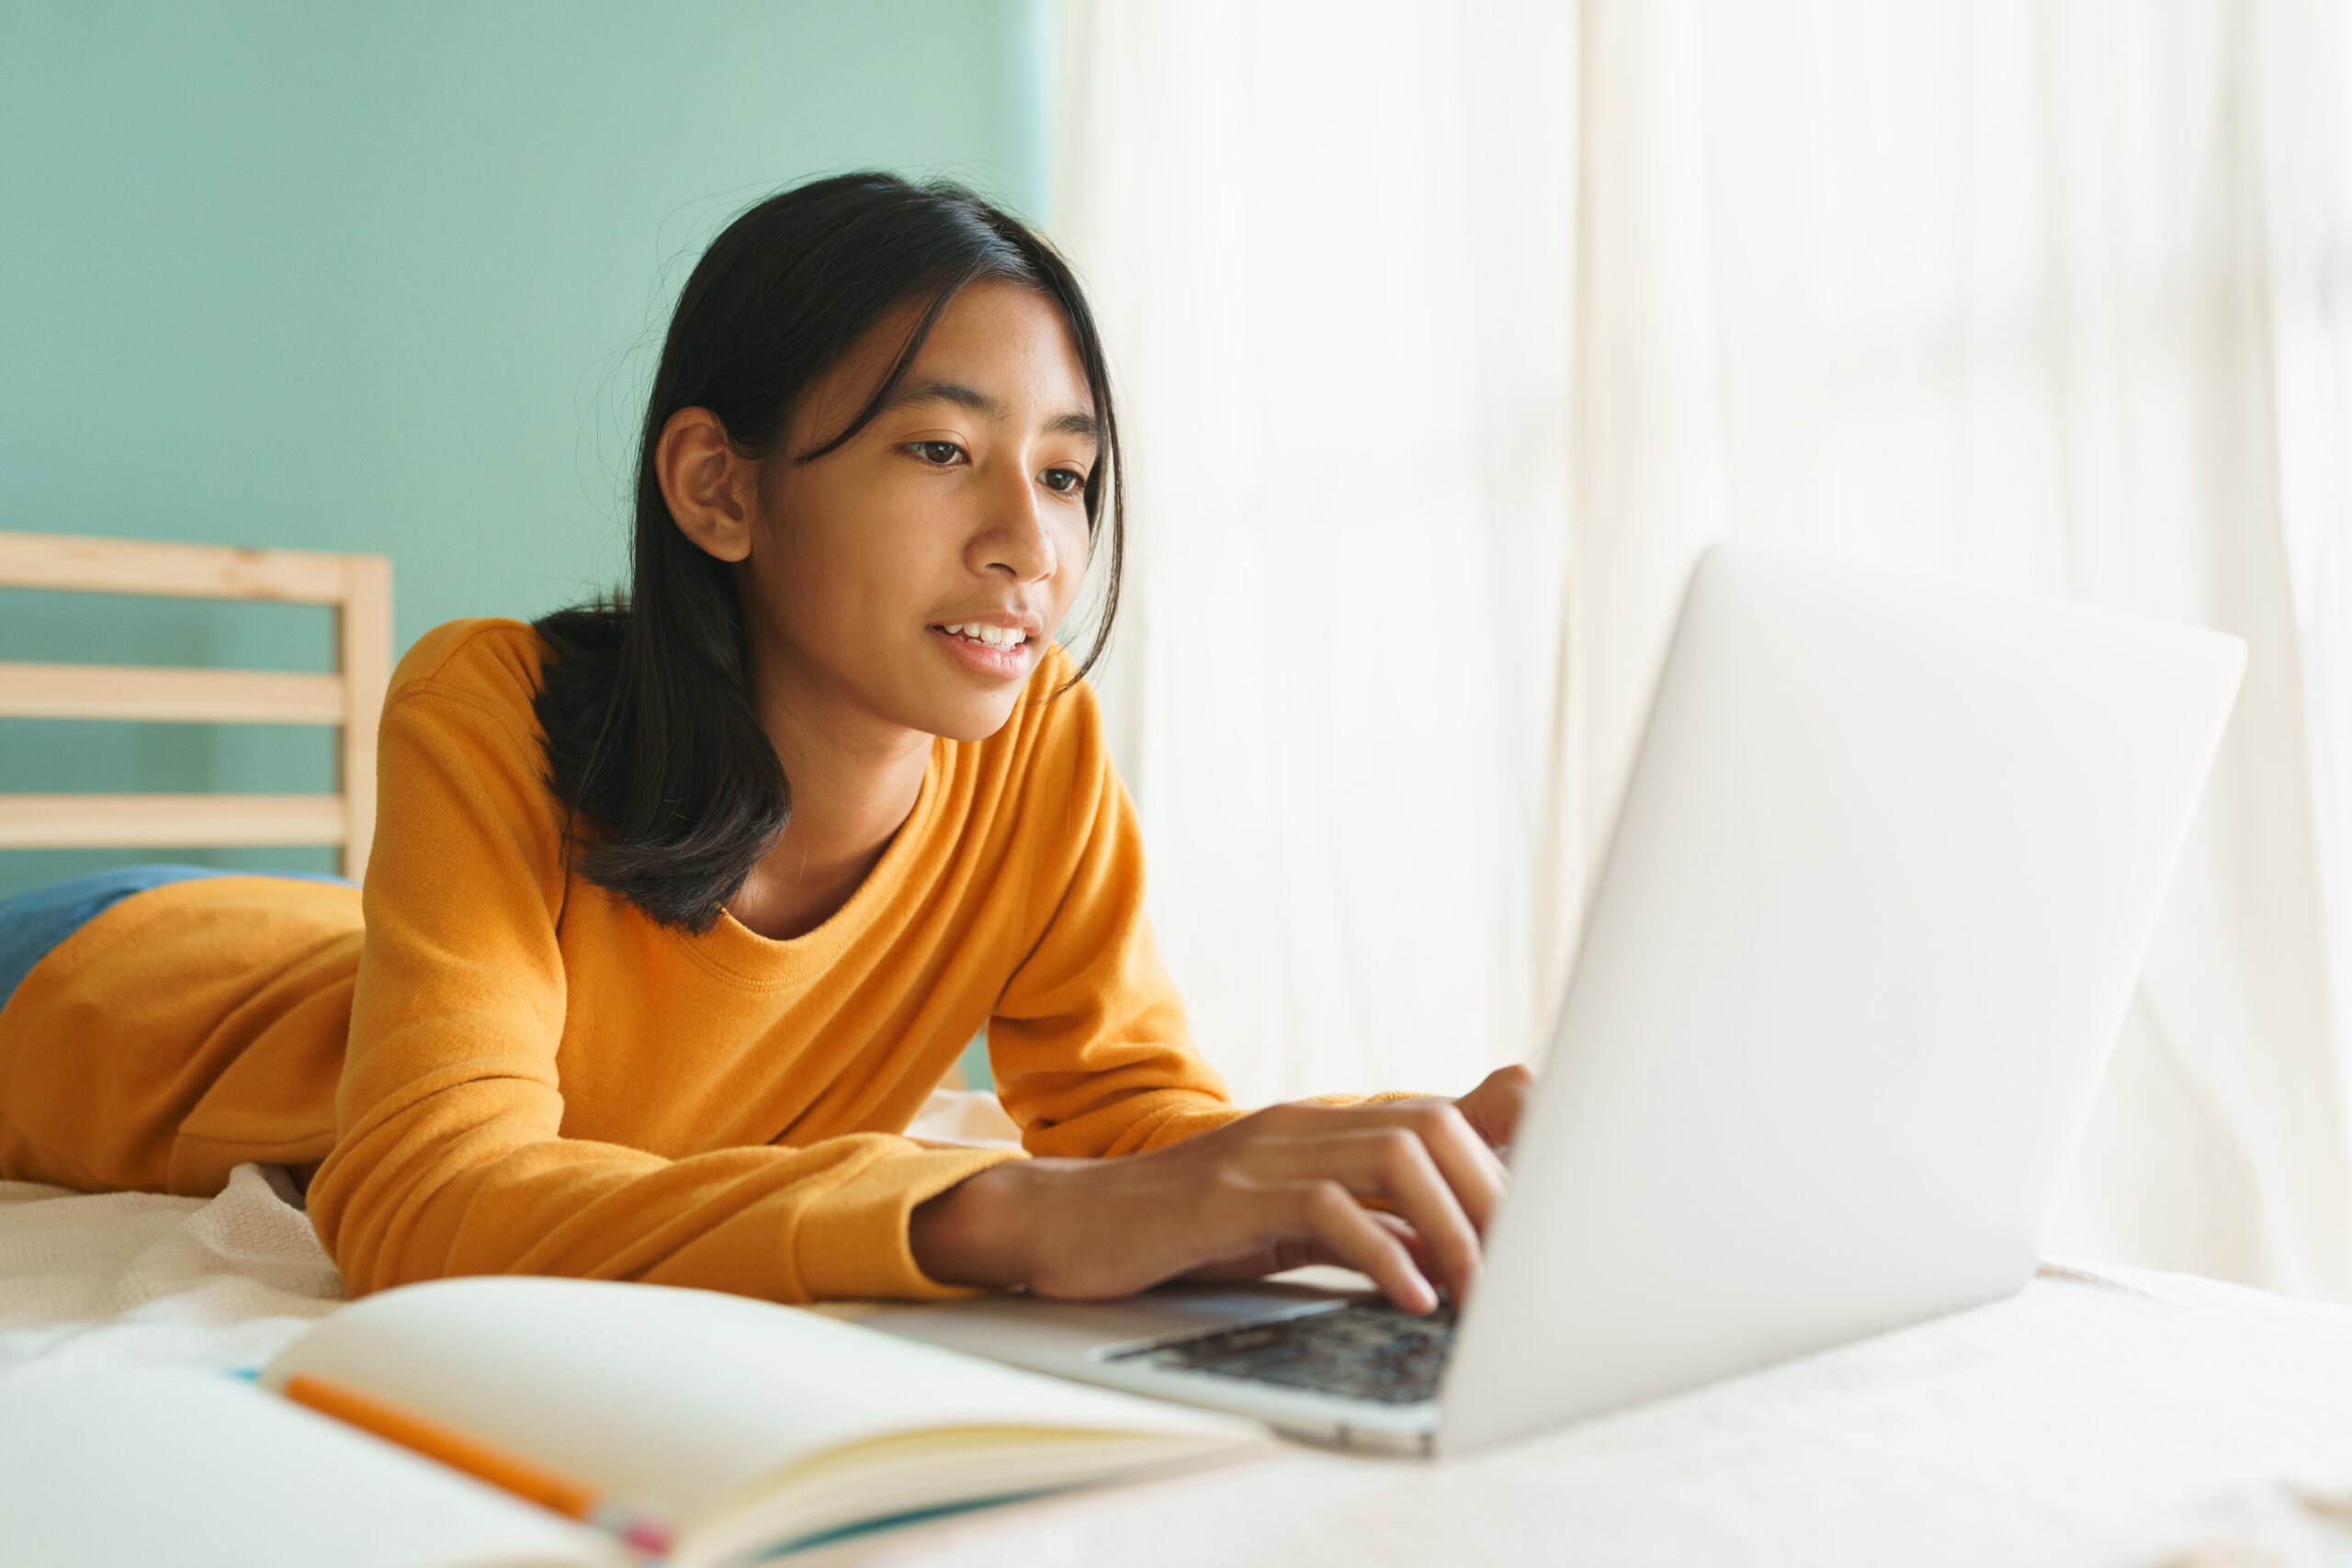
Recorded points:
(985, 657)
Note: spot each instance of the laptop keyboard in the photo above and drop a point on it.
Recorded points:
(1368, 1350)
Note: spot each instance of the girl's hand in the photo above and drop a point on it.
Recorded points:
(1493, 1108)
(1400, 1192)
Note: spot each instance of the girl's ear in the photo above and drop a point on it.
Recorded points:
(712, 493)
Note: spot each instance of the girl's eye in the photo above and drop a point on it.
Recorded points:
(924, 449)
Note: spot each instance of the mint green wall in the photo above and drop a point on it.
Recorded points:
(391, 278)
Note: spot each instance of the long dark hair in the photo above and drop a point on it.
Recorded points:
(670, 788)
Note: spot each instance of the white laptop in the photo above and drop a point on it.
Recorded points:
(1887, 860)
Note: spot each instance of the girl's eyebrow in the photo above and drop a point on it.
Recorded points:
(1073, 422)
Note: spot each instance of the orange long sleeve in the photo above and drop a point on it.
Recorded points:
(1088, 1044)
(504, 1068)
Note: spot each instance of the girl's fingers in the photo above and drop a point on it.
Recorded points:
(1392, 1164)
(1474, 1170)
(1299, 1253)
(1288, 1185)
(1325, 1212)
(1475, 1174)
(1407, 1168)
(1415, 1248)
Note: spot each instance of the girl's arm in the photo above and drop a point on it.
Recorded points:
(1093, 1058)
(450, 1156)
(1088, 1045)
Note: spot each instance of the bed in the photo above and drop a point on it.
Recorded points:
(2104, 1414)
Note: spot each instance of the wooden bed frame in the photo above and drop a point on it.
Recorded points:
(358, 587)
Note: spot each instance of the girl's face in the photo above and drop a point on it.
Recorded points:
(962, 505)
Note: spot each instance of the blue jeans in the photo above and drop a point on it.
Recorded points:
(32, 924)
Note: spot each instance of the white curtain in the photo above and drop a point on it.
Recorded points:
(1328, 247)
(1448, 334)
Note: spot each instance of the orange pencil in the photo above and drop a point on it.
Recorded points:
(479, 1460)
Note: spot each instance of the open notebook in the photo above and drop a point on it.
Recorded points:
(747, 1427)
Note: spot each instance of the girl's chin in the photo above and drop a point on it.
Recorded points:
(968, 717)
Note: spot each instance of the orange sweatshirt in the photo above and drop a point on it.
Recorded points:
(502, 1068)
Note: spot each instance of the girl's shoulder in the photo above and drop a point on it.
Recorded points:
(489, 660)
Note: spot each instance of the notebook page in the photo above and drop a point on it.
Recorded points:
(123, 1467)
(675, 1398)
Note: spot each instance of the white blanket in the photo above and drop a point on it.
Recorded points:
(2102, 1416)
(89, 1278)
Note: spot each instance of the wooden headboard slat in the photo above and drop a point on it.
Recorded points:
(75, 564)
(178, 821)
(168, 694)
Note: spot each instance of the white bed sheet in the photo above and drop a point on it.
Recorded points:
(2103, 1416)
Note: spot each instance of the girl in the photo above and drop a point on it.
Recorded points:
(681, 901)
